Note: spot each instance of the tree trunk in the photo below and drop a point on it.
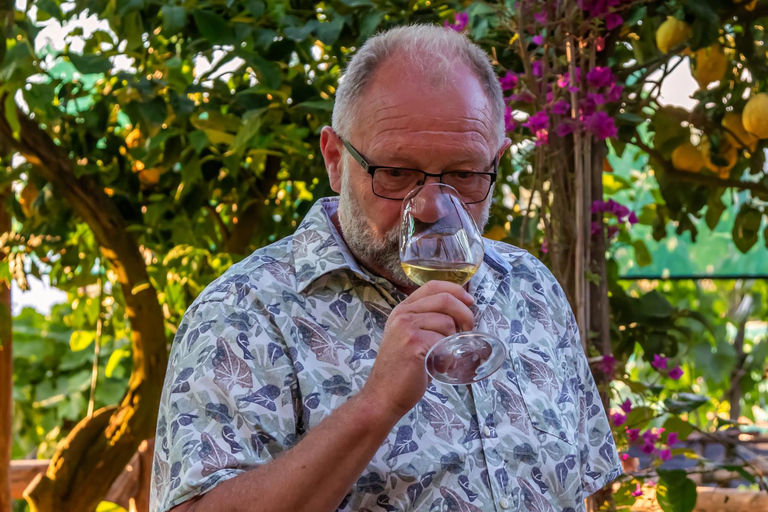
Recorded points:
(6, 373)
(97, 450)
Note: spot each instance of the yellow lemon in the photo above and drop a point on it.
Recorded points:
(755, 115)
(687, 157)
(710, 65)
(726, 151)
(496, 233)
(28, 195)
(672, 33)
(732, 121)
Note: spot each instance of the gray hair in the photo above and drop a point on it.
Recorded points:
(435, 50)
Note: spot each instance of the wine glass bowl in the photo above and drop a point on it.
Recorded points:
(439, 240)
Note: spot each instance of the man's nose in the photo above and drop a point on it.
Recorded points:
(433, 202)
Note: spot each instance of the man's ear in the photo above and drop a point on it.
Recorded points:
(333, 153)
(504, 146)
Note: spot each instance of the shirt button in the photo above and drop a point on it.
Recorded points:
(486, 431)
(504, 503)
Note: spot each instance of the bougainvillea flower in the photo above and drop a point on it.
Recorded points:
(601, 125)
(508, 81)
(600, 76)
(659, 362)
(676, 372)
(538, 121)
(460, 22)
(561, 107)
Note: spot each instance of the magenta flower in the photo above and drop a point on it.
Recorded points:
(538, 121)
(612, 231)
(565, 79)
(600, 76)
(607, 364)
(460, 22)
(632, 218)
(564, 128)
(665, 454)
(597, 98)
(619, 210)
(638, 491)
(601, 125)
(536, 68)
(508, 81)
(676, 372)
(509, 122)
(632, 434)
(660, 363)
(596, 228)
(626, 406)
(648, 448)
(672, 438)
(587, 106)
(614, 93)
(537, 39)
(562, 107)
(649, 436)
(544, 246)
(599, 207)
(542, 137)
(613, 20)
(618, 419)
(540, 17)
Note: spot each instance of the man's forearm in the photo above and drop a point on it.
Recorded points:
(315, 475)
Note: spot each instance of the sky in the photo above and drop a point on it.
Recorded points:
(676, 90)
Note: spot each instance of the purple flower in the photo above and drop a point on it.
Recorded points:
(618, 419)
(540, 17)
(614, 93)
(601, 125)
(537, 39)
(638, 491)
(665, 454)
(612, 231)
(565, 79)
(538, 121)
(613, 20)
(596, 229)
(676, 372)
(619, 210)
(660, 363)
(672, 438)
(508, 81)
(587, 106)
(597, 98)
(607, 364)
(562, 107)
(600, 76)
(461, 21)
(599, 207)
(632, 434)
(536, 68)
(647, 448)
(564, 128)
(509, 122)
(626, 406)
(649, 436)
(544, 246)
(632, 218)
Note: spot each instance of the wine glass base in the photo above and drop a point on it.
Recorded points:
(465, 357)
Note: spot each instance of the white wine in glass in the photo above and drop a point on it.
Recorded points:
(439, 240)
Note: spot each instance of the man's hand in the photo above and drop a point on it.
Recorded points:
(398, 379)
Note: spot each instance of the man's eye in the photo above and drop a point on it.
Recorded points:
(394, 173)
(464, 175)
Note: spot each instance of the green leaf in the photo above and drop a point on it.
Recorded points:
(329, 32)
(654, 305)
(49, 7)
(213, 27)
(255, 7)
(114, 360)
(267, 72)
(685, 402)
(322, 105)
(675, 491)
(642, 255)
(174, 19)
(12, 115)
(746, 227)
(81, 340)
(613, 183)
(679, 426)
(639, 417)
(250, 127)
(90, 64)
(715, 209)
(197, 140)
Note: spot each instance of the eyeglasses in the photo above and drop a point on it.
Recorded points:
(395, 182)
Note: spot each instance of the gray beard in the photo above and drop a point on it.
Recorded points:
(356, 231)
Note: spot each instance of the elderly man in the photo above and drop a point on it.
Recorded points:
(297, 380)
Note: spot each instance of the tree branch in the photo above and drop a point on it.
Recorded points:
(79, 480)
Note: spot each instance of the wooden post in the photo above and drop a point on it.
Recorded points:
(6, 372)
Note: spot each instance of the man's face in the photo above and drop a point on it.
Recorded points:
(405, 121)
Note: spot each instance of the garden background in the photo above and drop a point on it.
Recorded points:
(148, 144)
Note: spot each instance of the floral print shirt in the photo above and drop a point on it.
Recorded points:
(287, 335)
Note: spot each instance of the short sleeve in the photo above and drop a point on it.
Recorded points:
(227, 403)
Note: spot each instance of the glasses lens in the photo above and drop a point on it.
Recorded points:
(395, 183)
(471, 186)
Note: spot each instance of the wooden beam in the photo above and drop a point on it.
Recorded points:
(22, 472)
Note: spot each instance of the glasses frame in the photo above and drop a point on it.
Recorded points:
(371, 169)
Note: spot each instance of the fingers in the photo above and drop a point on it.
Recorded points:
(437, 322)
(438, 287)
(446, 304)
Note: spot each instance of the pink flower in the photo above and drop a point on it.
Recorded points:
(540, 17)
(626, 406)
(632, 434)
(538, 121)
(632, 218)
(601, 125)
(461, 21)
(638, 491)
(564, 128)
(618, 419)
(565, 79)
(536, 68)
(600, 76)
(607, 364)
(647, 448)
(537, 39)
(544, 246)
(542, 137)
(614, 93)
(600, 43)
(650, 436)
(660, 363)
(561, 107)
(676, 372)
(665, 454)
(508, 81)
(672, 438)
(613, 20)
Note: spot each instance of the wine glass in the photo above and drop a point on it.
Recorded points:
(439, 240)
